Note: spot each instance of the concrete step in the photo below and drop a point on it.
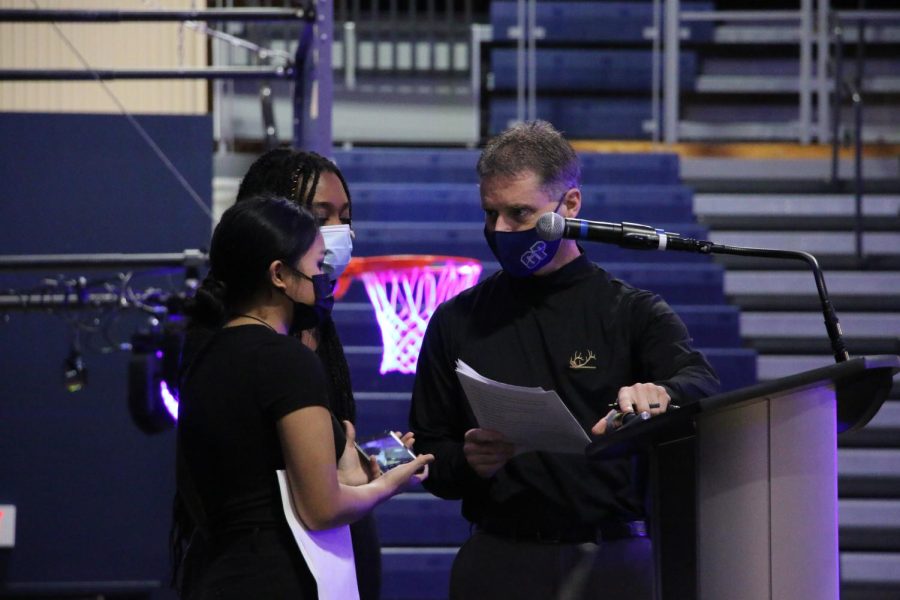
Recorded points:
(774, 367)
(802, 324)
(869, 472)
(695, 131)
(796, 211)
(416, 573)
(856, 291)
(775, 332)
(780, 84)
(400, 521)
(754, 34)
(819, 243)
(869, 525)
(870, 576)
(882, 431)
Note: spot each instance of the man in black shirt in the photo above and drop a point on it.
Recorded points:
(552, 319)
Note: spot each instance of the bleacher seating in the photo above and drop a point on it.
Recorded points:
(436, 210)
(592, 21)
(594, 69)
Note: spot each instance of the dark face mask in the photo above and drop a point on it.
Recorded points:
(521, 253)
(310, 317)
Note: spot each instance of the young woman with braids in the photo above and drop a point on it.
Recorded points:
(316, 184)
(255, 399)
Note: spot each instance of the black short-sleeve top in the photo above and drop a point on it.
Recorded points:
(244, 380)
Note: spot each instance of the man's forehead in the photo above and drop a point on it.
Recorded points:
(526, 177)
(524, 188)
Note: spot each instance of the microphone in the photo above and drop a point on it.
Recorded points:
(552, 226)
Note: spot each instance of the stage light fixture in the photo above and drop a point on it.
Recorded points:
(153, 379)
(75, 374)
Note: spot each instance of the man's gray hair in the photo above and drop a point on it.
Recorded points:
(531, 146)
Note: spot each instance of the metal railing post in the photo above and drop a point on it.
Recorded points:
(350, 55)
(805, 71)
(655, 86)
(858, 130)
(314, 84)
(858, 173)
(520, 61)
(532, 60)
(837, 96)
(480, 33)
(822, 54)
(670, 76)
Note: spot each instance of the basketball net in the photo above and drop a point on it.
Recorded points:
(404, 301)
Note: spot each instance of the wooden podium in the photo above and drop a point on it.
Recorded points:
(743, 485)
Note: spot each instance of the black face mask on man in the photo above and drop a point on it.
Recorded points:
(310, 317)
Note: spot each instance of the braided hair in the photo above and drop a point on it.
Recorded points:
(295, 174)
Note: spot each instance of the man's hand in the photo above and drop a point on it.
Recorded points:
(639, 398)
(486, 451)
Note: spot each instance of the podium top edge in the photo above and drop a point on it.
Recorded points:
(882, 361)
(861, 383)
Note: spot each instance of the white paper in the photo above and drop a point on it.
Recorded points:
(530, 417)
(328, 553)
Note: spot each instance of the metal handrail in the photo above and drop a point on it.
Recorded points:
(40, 15)
(855, 92)
(673, 18)
(741, 15)
(141, 74)
(312, 78)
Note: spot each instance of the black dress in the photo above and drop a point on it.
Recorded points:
(243, 381)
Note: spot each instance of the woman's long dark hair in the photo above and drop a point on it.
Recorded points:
(249, 237)
(295, 174)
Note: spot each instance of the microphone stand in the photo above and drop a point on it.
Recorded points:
(635, 236)
(832, 325)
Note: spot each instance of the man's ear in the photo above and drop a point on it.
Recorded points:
(572, 203)
(277, 272)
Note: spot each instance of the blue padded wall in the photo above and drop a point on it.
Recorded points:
(93, 493)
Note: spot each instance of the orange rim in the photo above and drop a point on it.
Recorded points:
(392, 262)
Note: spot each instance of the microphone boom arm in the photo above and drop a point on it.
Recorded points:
(832, 324)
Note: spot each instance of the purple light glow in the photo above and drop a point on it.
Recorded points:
(170, 400)
(404, 301)
(159, 354)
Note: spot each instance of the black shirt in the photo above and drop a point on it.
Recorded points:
(240, 384)
(576, 331)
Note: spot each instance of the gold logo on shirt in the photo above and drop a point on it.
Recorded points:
(580, 361)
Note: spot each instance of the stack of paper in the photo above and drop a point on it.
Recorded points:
(328, 553)
(529, 417)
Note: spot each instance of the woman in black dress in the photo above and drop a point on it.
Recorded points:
(255, 399)
(317, 184)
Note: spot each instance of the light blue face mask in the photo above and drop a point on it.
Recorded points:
(521, 253)
(338, 249)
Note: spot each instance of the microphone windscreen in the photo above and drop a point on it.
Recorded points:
(550, 226)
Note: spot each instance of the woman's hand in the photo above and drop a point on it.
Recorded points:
(353, 468)
(407, 439)
(402, 477)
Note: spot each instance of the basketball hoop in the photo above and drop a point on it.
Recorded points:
(405, 290)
